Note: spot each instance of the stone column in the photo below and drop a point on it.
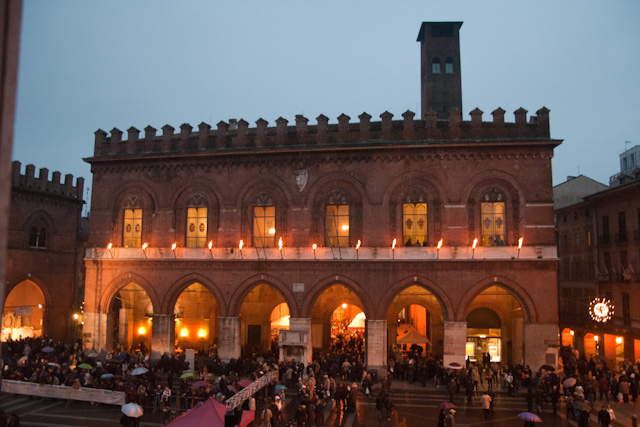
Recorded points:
(455, 339)
(303, 325)
(540, 344)
(228, 338)
(125, 329)
(163, 335)
(377, 346)
(94, 332)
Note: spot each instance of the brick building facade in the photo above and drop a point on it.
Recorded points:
(44, 260)
(388, 217)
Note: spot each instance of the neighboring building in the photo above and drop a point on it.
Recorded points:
(599, 247)
(44, 260)
(246, 237)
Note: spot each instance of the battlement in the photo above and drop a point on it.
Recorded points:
(238, 136)
(29, 181)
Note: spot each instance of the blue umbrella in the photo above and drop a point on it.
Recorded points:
(281, 387)
(529, 416)
(106, 376)
(47, 349)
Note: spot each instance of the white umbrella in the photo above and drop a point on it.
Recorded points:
(132, 410)
(139, 371)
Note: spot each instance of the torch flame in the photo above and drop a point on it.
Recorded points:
(280, 244)
(173, 247)
(439, 243)
(109, 246)
(210, 244)
(145, 246)
(241, 244)
(393, 245)
(520, 242)
(358, 244)
(314, 246)
(475, 243)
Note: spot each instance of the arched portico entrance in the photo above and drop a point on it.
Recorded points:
(129, 319)
(256, 313)
(196, 318)
(24, 312)
(494, 327)
(415, 318)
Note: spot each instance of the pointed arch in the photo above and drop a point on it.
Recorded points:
(433, 288)
(322, 285)
(120, 282)
(243, 288)
(523, 298)
(183, 283)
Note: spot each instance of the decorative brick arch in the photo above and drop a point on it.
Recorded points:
(243, 288)
(120, 282)
(504, 183)
(171, 297)
(149, 201)
(317, 197)
(179, 203)
(282, 199)
(322, 285)
(529, 312)
(403, 186)
(440, 295)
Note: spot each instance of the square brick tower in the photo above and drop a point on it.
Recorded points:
(441, 82)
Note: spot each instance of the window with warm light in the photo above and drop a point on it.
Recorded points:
(132, 227)
(196, 235)
(338, 225)
(264, 221)
(492, 218)
(414, 224)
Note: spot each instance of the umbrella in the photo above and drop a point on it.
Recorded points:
(569, 382)
(85, 366)
(454, 365)
(140, 371)
(106, 376)
(186, 375)
(281, 387)
(581, 405)
(47, 349)
(23, 359)
(529, 416)
(92, 354)
(199, 384)
(53, 364)
(547, 368)
(132, 410)
(446, 405)
(231, 388)
(244, 382)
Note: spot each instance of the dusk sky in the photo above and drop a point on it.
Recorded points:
(87, 65)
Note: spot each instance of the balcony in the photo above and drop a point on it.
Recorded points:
(403, 253)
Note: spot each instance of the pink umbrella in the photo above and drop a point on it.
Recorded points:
(209, 414)
(199, 384)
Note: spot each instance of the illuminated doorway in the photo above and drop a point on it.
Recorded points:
(23, 315)
(567, 337)
(196, 313)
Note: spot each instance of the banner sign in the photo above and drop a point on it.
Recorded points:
(23, 311)
(63, 392)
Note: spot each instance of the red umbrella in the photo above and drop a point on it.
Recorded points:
(454, 365)
(446, 406)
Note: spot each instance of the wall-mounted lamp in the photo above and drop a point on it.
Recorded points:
(210, 245)
(240, 245)
(358, 249)
(314, 250)
(173, 249)
(596, 338)
(618, 340)
(109, 246)
(144, 249)
(473, 247)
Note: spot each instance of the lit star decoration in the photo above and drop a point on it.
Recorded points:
(601, 309)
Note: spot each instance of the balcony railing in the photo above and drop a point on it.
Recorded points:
(403, 253)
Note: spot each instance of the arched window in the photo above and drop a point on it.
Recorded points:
(38, 237)
(197, 211)
(448, 66)
(337, 219)
(414, 220)
(492, 218)
(435, 65)
(132, 222)
(264, 221)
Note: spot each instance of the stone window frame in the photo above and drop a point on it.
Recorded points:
(264, 199)
(196, 200)
(414, 196)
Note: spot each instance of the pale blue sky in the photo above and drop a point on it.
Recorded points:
(86, 65)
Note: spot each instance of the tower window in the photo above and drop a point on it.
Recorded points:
(435, 65)
(448, 66)
(37, 237)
